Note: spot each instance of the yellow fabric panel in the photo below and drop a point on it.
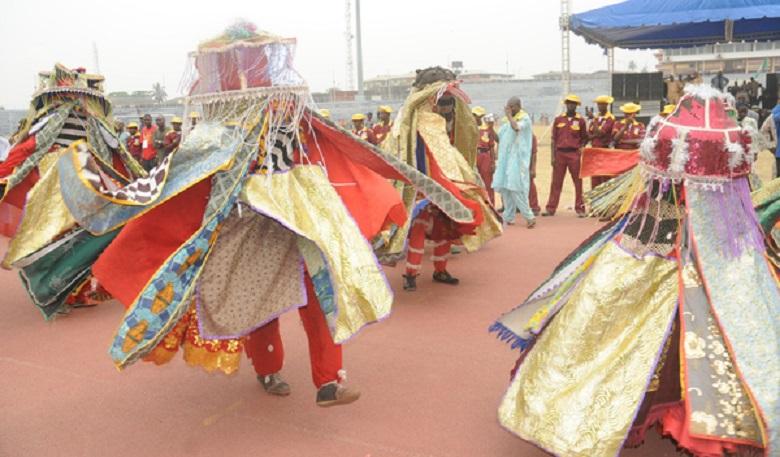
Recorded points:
(578, 389)
(304, 201)
(44, 203)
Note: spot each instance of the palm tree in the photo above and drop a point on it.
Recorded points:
(159, 93)
(631, 65)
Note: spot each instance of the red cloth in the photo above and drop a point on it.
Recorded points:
(600, 130)
(265, 349)
(381, 130)
(148, 152)
(369, 197)
(10, 216)
(569, 132)
(437, 175)
(565, 161)
(18, 154)
(672, 422)
(146, 242)
(607, 162)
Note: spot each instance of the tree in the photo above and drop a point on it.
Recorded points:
(631, 65)
(159, 93)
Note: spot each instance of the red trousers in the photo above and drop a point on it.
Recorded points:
(566, 160)
(533, 198)
(486, 167)
(421, 226)
(264, 346)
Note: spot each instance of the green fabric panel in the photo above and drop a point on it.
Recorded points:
(51, 278)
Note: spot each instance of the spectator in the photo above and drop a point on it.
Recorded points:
(134, 143)
(720, 82)
(149, 153)
(173, 137)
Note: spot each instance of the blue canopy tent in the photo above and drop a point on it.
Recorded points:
(657, 24)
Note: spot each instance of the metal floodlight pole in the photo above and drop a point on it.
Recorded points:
(565, 50)
(350, 70)
(359, 42)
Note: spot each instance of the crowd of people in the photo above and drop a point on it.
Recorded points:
(152, 142)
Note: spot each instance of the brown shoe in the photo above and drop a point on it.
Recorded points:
(274, 384)
(333, 394)
(445, 278)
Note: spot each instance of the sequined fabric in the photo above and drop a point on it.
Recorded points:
(209, 354)
(716, 401)
(745, 301)
(578, 389)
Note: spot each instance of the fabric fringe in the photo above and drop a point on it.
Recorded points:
(508, 336)
(614, 198)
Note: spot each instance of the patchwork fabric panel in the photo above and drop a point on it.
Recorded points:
(165, 298)
(141, 191)
(253, 275)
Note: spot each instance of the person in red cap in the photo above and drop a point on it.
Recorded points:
(600, 132)
(629, 132)
(134, 142)
(382, 128)
(173, 137)
(360, 130)
(486, 150)
(569, 134)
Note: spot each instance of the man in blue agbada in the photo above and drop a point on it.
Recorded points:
(513, 173)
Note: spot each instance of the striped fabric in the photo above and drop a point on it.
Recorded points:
(75, 128)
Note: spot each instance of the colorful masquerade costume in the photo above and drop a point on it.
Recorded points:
(445, 151)
(670, 316)
(50, 248)
(266, 208)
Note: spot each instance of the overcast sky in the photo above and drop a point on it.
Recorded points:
(140, 43)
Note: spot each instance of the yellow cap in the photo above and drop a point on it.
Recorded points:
(630, 108)
(176, 120)
(572, 98)
(325, 113)
(195, 115)
(132, 125)
(668, 109)
(385, 109)
(358, 117)
(604, 99)
(478, 111)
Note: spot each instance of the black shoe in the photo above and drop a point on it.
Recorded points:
(445, 278)
(548, 213)
(273, 384)
(333, 394)
(410, 283)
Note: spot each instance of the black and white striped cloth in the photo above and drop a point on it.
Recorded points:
(75, 128)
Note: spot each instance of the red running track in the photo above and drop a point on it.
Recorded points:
(431, 376)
